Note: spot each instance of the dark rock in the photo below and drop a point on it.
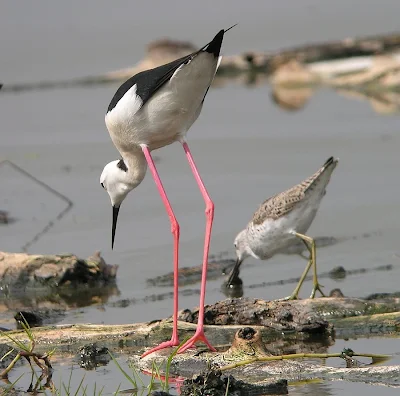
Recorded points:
(4, 362)
(247, 333)
(186, 316)
(38, 317)
(31, 318)
(338, 273)
(383, 296)
(235, 290)
(212, 382)
(3, 217)
(92, 356)
(337, 293)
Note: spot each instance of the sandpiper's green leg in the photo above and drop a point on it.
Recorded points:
(310, 244)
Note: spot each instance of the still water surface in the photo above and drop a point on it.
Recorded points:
(246, 147)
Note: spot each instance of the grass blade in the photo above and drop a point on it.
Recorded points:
(126, 375)
(5, 355)
(80, 385)
(227, 387)
(117, 391)
(11, 386)
(169, 361)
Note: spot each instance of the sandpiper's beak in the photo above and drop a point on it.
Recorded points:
(114, 224)
(234, 275)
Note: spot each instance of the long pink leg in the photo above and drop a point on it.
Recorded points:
(175, 232)
(199, 334)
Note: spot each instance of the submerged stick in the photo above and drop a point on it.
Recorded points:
(52, 191)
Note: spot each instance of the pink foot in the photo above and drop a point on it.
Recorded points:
(167, 344)
(198, 336)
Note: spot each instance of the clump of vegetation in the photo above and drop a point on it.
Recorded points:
(21, 350)
(212, 380)
(27, 352)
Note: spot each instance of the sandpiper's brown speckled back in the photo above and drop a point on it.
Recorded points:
(284, 202)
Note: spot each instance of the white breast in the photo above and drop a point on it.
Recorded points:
(169, 114)
(272, 236)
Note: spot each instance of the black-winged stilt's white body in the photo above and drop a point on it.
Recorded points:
(153, 109)
(282, 218)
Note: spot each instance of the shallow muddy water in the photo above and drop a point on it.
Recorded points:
(246, 147)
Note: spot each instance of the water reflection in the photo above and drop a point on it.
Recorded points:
(234, 290)
(51, 306)
(384, 103)
(293, 83)
(291, 99)
(310, 387)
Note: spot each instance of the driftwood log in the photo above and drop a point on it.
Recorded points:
(322, 318)
(248, 63)
(40, 288)
(23, 271)
(165, 50)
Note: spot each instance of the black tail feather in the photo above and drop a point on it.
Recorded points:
(214, 46)
(328, 161)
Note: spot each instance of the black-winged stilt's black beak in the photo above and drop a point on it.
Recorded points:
(234, 275)
(114, 224)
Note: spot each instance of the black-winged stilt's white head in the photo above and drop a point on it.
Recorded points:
(117, 182)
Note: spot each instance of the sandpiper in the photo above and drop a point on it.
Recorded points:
(281, 219)
(151, 110)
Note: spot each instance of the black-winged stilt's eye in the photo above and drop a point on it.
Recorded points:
(102, 185)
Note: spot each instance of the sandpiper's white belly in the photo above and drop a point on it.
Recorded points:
(272, 236)
(169, 114)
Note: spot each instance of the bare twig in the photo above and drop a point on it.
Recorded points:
(374, 357)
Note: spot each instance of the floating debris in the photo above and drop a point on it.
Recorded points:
(92, 356)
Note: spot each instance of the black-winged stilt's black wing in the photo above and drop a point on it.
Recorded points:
(148, 82)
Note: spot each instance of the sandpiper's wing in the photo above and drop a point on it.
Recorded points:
(280, 204)
(148, 82)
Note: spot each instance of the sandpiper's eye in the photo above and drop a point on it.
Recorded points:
(235, 244)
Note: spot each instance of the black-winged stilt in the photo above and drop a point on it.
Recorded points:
(282, 218)
(153, 109)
